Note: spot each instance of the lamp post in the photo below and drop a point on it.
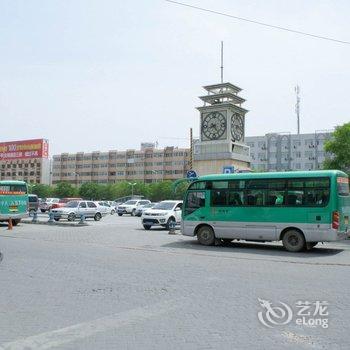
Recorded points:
(132, 188)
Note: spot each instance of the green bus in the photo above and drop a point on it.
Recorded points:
(13, 201)
(300, 208)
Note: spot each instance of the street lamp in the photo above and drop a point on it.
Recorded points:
(132, 188)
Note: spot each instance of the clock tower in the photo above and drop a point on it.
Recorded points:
(222, 131)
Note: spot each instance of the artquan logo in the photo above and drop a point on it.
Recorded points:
(274, 315)
(309, 314)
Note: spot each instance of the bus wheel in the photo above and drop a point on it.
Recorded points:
(293, 241)
(206, 236)
(16, 222)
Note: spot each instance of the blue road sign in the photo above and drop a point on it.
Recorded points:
(228, 169)
(191, 174)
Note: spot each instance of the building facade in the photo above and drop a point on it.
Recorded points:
(280, 152)
(148, 164)
(26, 160)
(221, 143)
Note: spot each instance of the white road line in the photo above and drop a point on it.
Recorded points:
(83, 330)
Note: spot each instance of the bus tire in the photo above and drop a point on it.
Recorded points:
(147, 227)
(205, 235)
(294, 241)
(120, 214)
(15, 222)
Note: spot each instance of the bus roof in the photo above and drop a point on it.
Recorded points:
(273, 175)
(12, 182)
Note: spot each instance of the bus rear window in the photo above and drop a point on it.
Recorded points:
(343, 186)
(13, 189)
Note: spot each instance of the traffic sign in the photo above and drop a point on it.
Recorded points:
(228, 169)
(191, 174)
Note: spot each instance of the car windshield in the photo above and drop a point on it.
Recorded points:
(130, 202)
(164, 205)
(72, 204)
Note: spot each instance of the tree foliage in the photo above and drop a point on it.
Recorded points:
(156, 191)
(339, 149)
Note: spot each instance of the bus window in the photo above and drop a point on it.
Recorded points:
(343, 186)
(194, 201)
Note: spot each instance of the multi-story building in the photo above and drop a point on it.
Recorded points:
(25, 160)
(148, 164)
(284, 151)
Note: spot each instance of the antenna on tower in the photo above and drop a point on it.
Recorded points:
(222, 62)
(297, 107)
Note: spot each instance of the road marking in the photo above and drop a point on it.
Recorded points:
(83, 330)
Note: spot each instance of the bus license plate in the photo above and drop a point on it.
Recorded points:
(13, 208)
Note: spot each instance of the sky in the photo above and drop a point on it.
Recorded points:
(109, 74)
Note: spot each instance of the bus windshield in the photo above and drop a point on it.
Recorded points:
(8, 189)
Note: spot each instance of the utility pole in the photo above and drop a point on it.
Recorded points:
(191, 149)
(222, 62)
(297, 107)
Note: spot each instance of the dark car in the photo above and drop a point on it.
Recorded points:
(33, 203)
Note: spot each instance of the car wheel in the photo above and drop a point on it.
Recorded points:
(56, 219)
(170, 222)
(42, 210)
(97, 217)
(71, 217)
(120, 214)
(206, 236)
(310, 245)
(294, 241)
(146, 227)
(112, 212)
(133, 212)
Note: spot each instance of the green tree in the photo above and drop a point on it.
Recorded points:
(90, 190)
(339, 149)
(65, 189)
(42, 191)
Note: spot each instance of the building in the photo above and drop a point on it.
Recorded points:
(285, 151)
(148, 164)
(26, 160)
(221, 143)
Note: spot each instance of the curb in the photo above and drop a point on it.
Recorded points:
(67, 224)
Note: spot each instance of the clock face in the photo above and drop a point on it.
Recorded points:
(214, 126)
(237, 127)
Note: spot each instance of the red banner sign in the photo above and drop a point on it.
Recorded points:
(24, 149)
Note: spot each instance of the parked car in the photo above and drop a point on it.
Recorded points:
(130, 206)
(33, 204)
(47, 203)
(163, 214)
(106, 208)
(141, 208)
(74, 209)
(63, 201)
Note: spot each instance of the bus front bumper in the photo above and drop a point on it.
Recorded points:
(5, 217)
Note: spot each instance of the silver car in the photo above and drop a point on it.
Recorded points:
(75, 209)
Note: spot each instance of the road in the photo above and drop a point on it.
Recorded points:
(113, 285)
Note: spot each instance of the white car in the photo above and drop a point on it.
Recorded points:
(47, 203)
(163, 214)
(130, 206)
(106, 208)
(74, 209)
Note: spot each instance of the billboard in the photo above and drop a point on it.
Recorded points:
(24, 149)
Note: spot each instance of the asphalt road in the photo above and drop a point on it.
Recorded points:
(112, 285)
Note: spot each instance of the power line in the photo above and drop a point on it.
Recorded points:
(259, 23)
